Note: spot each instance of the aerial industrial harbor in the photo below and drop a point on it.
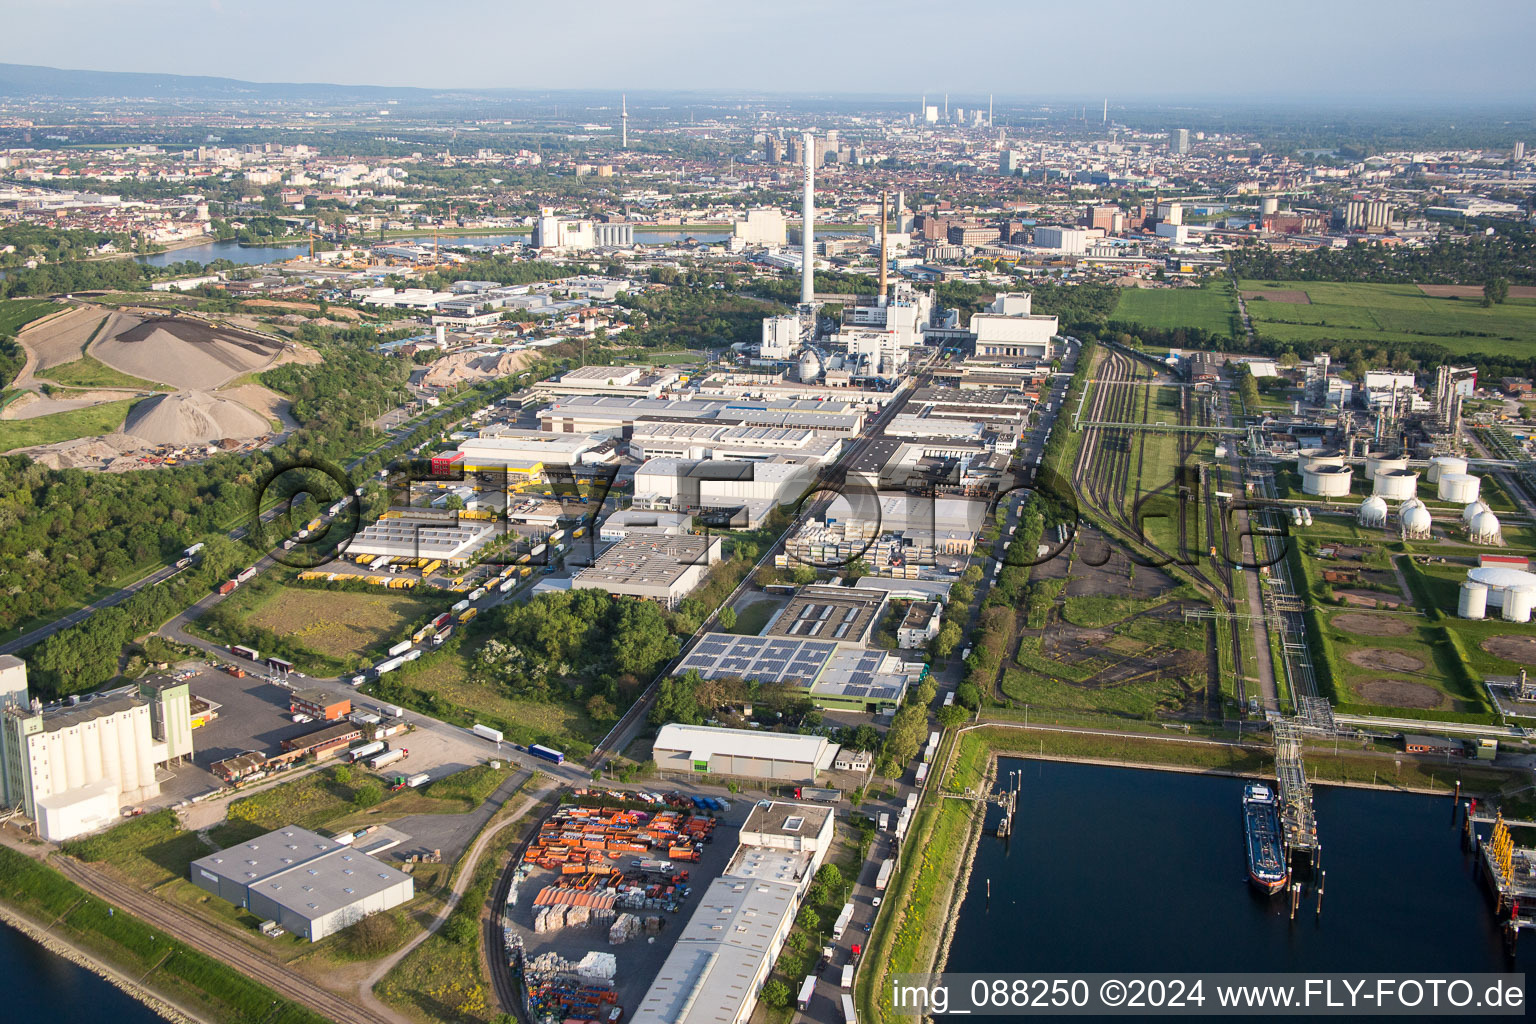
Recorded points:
(506, 548)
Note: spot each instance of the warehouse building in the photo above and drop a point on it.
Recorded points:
(830, 676)
(614, 417)
(769, 756)
(656, 566)
(622, 523)
(717, 968)
(72, 767)
(309, 885)
(401, 537)
(840, 614)
(686, 485)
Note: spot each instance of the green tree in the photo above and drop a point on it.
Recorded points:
(342, 774)
(951, 716)
(808, 918)
(776, 994)
(1496, 290)
(367, 795)
(968, 695)
(727, 619)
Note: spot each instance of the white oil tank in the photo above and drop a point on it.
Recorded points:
(1473, 603)
(1518, 602)
(1373, 512)
(1442, 464)
(1396, 484)
(1457, 487)
(1484, 529)
(1381, 462)
(1415, 520)
(1326, 480)
(1319, 456)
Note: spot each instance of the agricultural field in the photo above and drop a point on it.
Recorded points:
(1390, 312)
(1212, 308)
(336, 626)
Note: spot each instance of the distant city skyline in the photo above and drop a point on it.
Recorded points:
(1308, 50)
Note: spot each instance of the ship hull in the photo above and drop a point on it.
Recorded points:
(1267, 868)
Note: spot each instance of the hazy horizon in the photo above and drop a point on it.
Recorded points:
(1370, 51)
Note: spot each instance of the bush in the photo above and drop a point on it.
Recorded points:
(367, 795)
(776, 994)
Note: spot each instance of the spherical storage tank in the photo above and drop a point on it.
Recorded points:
(1381, 462)
(1442, 464)
(1485, 528)
(1416, 520)
(1396, 484)
(1327, 481)
(1458, 487)
(1472, 511)
(1473, 603)
(1373, 512)
(1518, 603)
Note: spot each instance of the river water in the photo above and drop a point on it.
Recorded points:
(207, 252)
(1118, 869)
(40, 986)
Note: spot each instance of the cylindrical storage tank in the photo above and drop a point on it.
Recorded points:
(1396, 484)
(1416, 521)
(1373, 512)
(1442, 464)
(1518, 602)
(1473, 603)
(1457, 487)
(1319, 456)
(1485, 528)
(1472, 511)
(1326, 481)
(1381, 462)
(1269, 205)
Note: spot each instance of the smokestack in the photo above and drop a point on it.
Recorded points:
(623, 121)
(989, 110)
(808, 214)
(884, 220)
(901, 204)
(1106, 110)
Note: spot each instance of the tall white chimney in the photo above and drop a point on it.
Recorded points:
(808, 213)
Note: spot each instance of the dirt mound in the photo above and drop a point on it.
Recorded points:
(1512, 647)
(31, 405)
(263, 400)
(1379, 659)
(1398, 694)
(60, 339)
(1371, 625)
(1294, 296)
(182, 352)
(472, 366)
(193, 417)
(111, 453)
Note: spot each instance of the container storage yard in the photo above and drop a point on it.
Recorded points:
(601, 892)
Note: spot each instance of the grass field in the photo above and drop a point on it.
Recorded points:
(339, 624)
(16, 313)
(88, 372)
(1394, 312)
(64, 426)
(1213, 307)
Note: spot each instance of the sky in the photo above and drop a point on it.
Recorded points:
(1340, 50)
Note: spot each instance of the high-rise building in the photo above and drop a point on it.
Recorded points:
(1101, 217)
(775, 149)
(1010, 162)
(1519, 151)
(761, 227)
(1178, 141)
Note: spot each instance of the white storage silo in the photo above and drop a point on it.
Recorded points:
(1416, 521)
(1396, 484)
(1442, 464)
(1457, 487)
(1325, 480)
(1381, 462)
(1518, 603)
(1484, 529)
(1319, 456)
(1473, 603)
(1373, 512)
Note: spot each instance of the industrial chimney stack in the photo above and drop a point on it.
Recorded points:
(808, 213)
(884, 221)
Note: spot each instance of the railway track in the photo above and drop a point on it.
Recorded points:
(205, 939)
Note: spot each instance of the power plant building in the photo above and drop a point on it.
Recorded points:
(762, 227)
(72, 767)
(310, 885)
(1008, 330)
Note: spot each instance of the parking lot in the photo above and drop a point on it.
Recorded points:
(640, 958)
